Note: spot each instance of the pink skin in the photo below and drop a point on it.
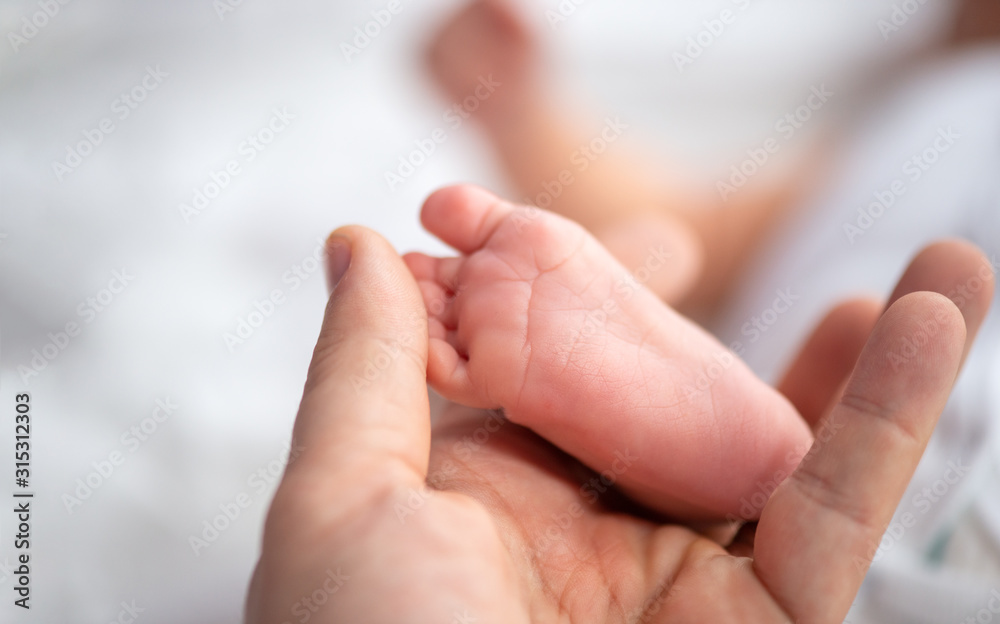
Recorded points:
(538, 318)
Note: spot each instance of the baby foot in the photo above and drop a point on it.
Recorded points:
(486, 40)
(536, 317)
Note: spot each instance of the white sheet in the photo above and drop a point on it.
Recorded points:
(938, 563)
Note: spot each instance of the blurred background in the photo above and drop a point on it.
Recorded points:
(168, 171)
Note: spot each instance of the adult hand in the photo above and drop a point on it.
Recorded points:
(513, 530)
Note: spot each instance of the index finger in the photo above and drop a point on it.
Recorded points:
(820, 529)
(954, 268)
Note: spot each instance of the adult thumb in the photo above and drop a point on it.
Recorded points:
(365, 405)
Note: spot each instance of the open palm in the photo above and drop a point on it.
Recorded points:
(382, 518)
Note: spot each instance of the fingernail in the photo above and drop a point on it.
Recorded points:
(338, 258)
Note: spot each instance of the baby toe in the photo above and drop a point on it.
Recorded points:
(446, 274)
(438, 302)
(436, 329)
(422, 266)
(464, 216)
(448, 374)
